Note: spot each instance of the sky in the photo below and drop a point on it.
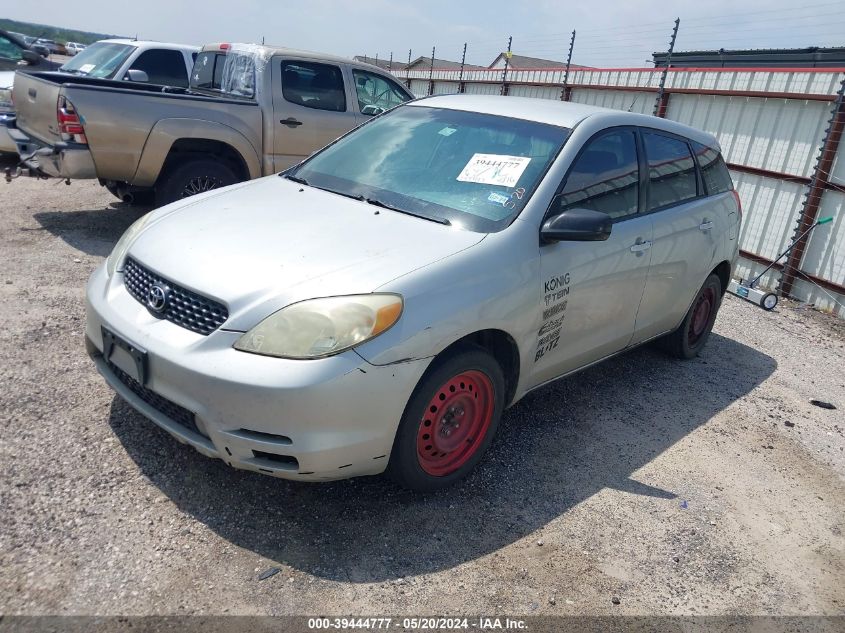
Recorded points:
(610, 33)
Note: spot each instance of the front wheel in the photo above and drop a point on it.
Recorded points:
(449, 422)
(192, 177)
(688, 340)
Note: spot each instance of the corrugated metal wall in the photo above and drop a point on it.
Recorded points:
(770, 123)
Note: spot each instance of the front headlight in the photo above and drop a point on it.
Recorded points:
(322, 327)
(119, 251)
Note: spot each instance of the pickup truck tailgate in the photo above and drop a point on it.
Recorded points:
(35, 101)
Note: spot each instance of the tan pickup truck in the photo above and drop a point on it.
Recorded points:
(249, 111)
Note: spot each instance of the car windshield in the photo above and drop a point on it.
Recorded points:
(475, 170)
(101, 60)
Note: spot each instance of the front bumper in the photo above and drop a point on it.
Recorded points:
(62, 160)
(315, 420)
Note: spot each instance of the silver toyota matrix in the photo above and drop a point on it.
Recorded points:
(379, 305)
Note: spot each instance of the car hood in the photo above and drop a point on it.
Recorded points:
(263, 245)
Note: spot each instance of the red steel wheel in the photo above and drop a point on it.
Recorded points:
(455, 422)
(701, 311)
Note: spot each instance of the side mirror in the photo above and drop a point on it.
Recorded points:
(31, 57)
(577, 225)
(133, 74)
(371, 110)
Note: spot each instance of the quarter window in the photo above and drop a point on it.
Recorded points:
(605, 177)
(317, 86)
(671, 171)
(163, 67)
(714, 172)
(378, 92)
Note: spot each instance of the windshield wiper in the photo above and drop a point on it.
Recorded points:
(433, 218)
(296, 179)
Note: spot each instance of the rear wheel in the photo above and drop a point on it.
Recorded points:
(191, 177)
(688, 340)
(449, 422)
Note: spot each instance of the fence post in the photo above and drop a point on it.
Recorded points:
(504, 89)
(662, 101)
(815, 190)
(431, 74)
(461, 74)
(566, 92)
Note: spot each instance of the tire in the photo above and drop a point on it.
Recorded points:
(438, 444)
(191, 177)
(689, 339)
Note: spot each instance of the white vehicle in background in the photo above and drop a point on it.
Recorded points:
(74, 48)
(146, 62)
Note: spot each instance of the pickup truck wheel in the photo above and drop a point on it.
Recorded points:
(192, 177)
(449, 422)
(688, 340)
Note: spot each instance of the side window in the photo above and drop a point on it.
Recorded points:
(165, 68)
(380, 93)
(714, 172)
(10, 50)
(671, 171)
(605, 177)
(318, 86)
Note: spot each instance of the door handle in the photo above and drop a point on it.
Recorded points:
(706, 225)
(290, 122)
(639, 247)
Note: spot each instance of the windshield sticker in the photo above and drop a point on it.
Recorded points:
(498, 198)
(494, 169)
(447, 131)
(87, 68)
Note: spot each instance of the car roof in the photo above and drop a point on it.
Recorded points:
(149, 44)
(271, 51)
(561, 113)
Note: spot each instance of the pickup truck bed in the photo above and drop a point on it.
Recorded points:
(131, 147)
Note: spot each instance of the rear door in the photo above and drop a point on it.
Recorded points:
(311, 108)
(688, 231)
(590, 291)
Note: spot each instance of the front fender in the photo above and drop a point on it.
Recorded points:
(167, 131)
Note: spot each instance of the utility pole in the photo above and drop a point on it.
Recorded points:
(564, 94)
(431, 74)
(390, 63)
(461, 74)
(662, 101)
(408, 70)
(504, 89)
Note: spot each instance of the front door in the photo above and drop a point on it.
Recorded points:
(590, 291)
(310, 108)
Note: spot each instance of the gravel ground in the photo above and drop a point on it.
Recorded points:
(706, 487)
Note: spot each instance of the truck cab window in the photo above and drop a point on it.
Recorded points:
(163, 67)
(318, 86)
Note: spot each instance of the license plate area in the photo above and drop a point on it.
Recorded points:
(125, 356)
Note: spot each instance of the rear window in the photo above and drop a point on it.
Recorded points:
(671, 171)
(714, 172)
(101, 60)
(232, 74)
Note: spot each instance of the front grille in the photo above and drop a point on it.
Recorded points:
(173, 411)
(184, 307)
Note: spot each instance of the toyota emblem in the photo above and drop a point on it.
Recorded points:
(157, 297)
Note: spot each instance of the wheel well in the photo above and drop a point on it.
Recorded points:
(503, 348)
(201, 147)
(723, 270)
